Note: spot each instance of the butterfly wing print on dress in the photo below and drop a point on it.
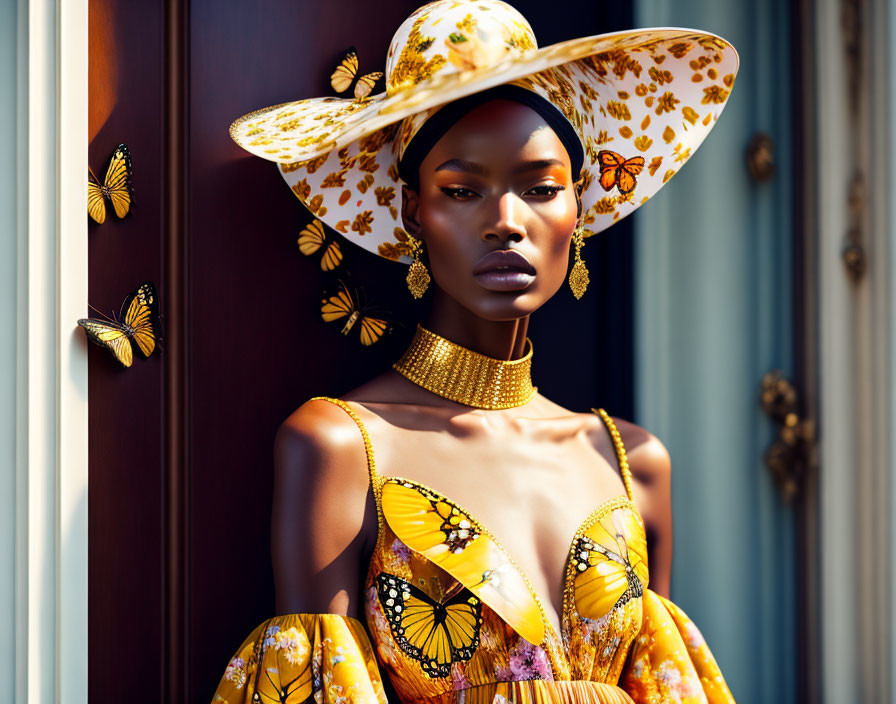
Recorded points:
(609, 561)
(442, 532)
(434, 633)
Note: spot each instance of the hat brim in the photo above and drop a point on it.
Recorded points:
(642, 101)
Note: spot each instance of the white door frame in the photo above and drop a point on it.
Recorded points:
(857, 370)
(51, 357)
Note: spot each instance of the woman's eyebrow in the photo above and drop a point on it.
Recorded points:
(475, 168)
(462, 165)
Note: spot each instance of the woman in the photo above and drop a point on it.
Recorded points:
(497, 546)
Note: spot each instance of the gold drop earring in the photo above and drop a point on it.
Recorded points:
(418, 276)
(578, 274)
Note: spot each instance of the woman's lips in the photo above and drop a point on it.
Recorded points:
(504, 270)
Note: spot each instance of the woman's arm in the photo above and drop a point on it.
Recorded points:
(321, 514)
(652, 474)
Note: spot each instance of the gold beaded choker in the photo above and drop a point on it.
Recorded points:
(463, 375)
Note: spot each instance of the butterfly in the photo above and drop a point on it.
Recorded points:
(610, 564)
(116, 187)
(345, 73)
(344, 305)
(615, 170)
(434, 633)
(138, 324)
(435, 527)
(312, 238)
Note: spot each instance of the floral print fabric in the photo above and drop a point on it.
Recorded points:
(303, 657)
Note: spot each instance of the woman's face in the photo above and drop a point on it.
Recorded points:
(496, 210)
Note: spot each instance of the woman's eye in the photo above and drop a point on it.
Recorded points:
(546, 190)
(458, 193)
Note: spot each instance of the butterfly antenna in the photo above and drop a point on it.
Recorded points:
(97, 310)
(93, 174)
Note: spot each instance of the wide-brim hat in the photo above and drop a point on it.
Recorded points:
(641, 101)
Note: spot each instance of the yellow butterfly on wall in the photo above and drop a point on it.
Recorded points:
(344, 305)
(138, 324)
(435, 633)
(312, 238)
(345, 73)
(116, 187)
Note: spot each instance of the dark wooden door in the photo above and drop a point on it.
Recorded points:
(180, 459)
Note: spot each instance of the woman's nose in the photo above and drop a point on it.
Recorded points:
(508, 225)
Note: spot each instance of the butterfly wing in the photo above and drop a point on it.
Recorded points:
(433, 634)
(345, 72)
(626, 173)
(110, 335)
(338, 306)
(463, 618)
(609, 164)
(311, 239)
(366, 83)
(142, 315)
(610, 563)
(372, 330)
(118, 180)
(96, 206)
(441, 531)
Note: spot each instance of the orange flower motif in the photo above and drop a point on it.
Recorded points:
(666, 103)
(302, 189)
(362, 223)
(714, 94)
(660, 76)
(384, 195)
(618, 110)
(335, 179)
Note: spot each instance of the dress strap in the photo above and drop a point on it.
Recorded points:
(620, 451)
(368, 447)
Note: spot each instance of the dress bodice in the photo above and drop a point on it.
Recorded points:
(449, 609)
(452, 619)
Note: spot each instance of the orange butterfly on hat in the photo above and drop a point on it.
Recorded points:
(616, 170)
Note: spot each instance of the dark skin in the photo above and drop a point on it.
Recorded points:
(499, 178)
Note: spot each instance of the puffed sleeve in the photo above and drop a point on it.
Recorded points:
(670, 661)
(288, 659)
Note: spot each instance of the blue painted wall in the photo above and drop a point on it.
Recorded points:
(713, 314)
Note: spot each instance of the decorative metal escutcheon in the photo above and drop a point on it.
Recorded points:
(792, 451)
(761, 157)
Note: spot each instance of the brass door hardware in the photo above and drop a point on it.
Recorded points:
(793, 450)
(761, 157)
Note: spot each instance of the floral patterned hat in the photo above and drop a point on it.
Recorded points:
(641, 101)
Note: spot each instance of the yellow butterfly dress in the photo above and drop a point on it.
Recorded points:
(452, 619)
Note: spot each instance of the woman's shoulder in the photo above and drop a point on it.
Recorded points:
(320, 439)
(647, 456)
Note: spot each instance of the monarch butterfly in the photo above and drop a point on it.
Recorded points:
(610, 563)
(616, 170)
(345, 73)
(116, 187)
(434, 633)
(140, 325)
(312, 238)
(343, 305)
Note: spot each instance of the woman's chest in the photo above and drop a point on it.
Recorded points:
(533, 489)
